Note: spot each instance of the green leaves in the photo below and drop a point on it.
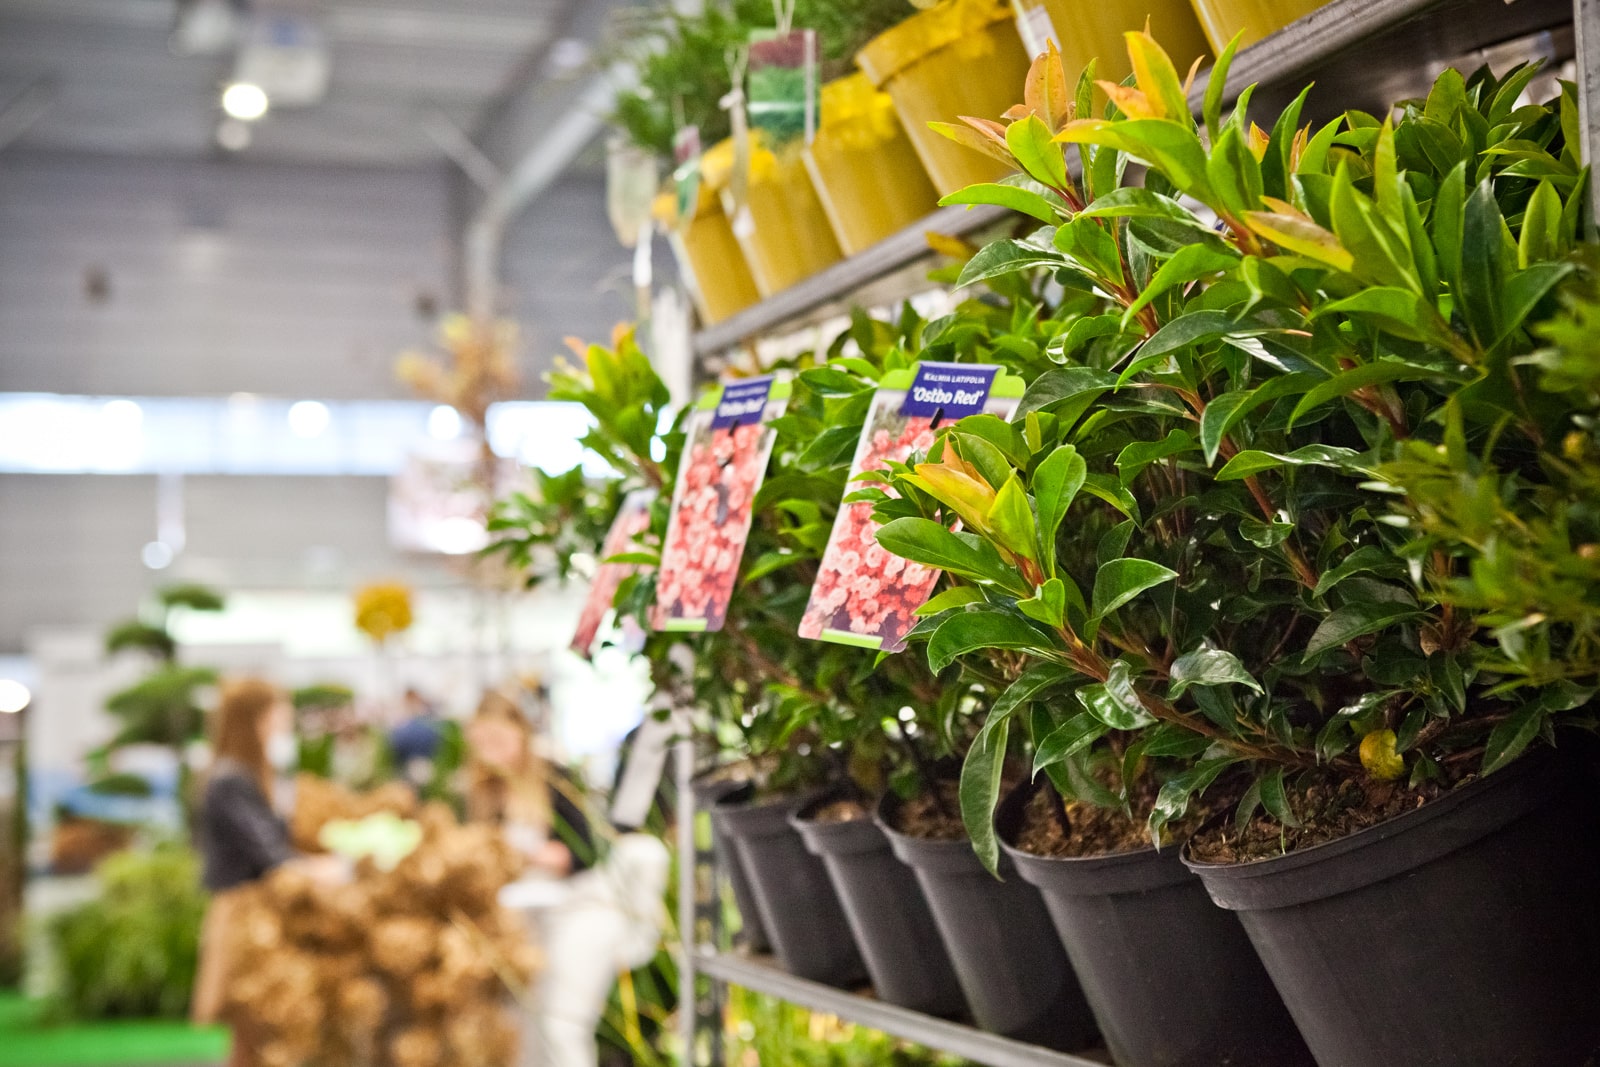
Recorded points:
(1032, 143)
(979, 791)
(925, 541)
(1208, 666)
(970, 631)
(1170, 146)
(1011, 519)
(1067, 740)
(1001, 258)
(1353, 621)
(1025, 201)
(1252, 462)
(1512, 735)
(1120, 580)
(1055, 484)
(1115, 702)
(983, 768)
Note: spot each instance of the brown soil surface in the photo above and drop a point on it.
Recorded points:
(1328, 808)
(841, 811)
(924, 816)
(1094, 831)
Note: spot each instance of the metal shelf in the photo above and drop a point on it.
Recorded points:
(979, 1046)
(1369, 53)
(845, 278)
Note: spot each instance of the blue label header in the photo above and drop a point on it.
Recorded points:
(742, 402)
(949, 390)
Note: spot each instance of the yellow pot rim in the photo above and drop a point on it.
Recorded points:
(898, 47)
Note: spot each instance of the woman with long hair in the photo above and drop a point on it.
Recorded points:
(512, 786)
(239, 835)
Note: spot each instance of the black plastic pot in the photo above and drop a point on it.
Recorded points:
(751, 932)
(1172, 978)
(893, 928)
(1007, 957)
(792, 892)
(1463, 933)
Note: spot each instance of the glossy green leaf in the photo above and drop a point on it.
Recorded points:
(1482, 277)
(1371, 374)
(1224, 412)
(1066, 387)
(1216, 86)
(1032, 142)
(1401, 312)
(1011, 519)
(971, 631)
(930, 544)
(1276, 799)
(1511, 736)
(1071, 737)
(1116, 703)
(1177, 792)
(1049, 605)
(1138, 455)
(1025, 201)
(1368, 559)
(1356, 620)
(1188, 264)
(1169, 146)
(1136, 202)
(1251, 461)
(1120, 580)
(1000, 258)
(1208, 666)
(979, 789)
(1056, 483)
(955, 597)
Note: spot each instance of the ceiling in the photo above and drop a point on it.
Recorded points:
(105, 76)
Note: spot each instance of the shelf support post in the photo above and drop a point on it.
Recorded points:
(1586, 26)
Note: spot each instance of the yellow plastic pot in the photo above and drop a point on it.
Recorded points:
(865, 169)
(962, 57)
(788, 237)
(1093, 29)
(710, 259)
(1257, 18)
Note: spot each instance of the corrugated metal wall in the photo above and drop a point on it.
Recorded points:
(293, 281)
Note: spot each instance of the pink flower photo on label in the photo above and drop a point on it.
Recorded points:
(711, 514)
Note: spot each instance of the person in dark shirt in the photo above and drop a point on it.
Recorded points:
(239, 835)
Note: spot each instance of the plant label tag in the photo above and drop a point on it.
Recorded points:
(686, 176)
(783, 85)
(865, 595)
(709, 522)
(633, 519)
(742, 402)
(948, 391)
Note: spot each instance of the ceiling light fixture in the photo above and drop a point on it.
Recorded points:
(14, 696)
(244, 101)
(308, 418)
(444, 423)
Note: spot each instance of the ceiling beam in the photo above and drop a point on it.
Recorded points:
(532, 136)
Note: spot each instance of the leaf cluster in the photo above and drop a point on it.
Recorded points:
(1189, 532)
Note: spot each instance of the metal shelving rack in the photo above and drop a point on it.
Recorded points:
(1359, 53)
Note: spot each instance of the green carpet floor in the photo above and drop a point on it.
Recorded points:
(27, 1042)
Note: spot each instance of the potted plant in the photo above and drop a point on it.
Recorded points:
(683, 75)
(956, 57)
(1236, 603)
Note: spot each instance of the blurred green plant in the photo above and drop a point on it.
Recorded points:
(132, 952)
